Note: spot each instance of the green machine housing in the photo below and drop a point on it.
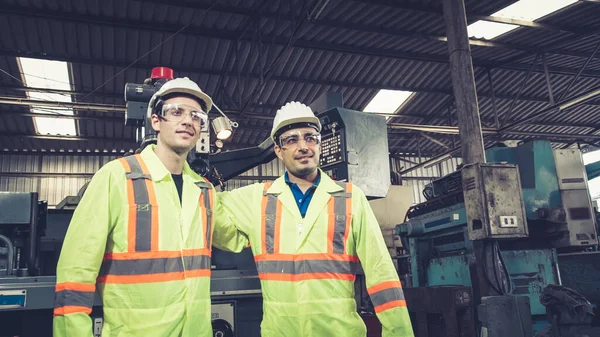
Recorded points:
(527, 204)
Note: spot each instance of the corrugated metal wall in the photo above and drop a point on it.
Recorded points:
(421, 176)
(53, 176)
(57, 176)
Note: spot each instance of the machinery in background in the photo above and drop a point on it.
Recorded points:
(502, 227)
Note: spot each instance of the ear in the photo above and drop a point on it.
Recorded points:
(155, 123)
(277, 150)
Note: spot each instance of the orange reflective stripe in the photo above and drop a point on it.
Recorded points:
(330, 225)
(71, 309)
(154, 221)
(263, 222)
(277, 229)
(132, 208)
(348, 215)
(75, 286)
(204, 216)
(390, 305)
(383, 286)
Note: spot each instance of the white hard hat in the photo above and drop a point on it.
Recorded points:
(294, 113)
(179, 85)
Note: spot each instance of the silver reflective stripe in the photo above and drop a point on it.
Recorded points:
(144, 210)
(339, 209)
(386, 296)
(307, 266)
(196, 262)
(154, 266)
(141, 266)
(205, 187)
(65, 298)
(270, 217)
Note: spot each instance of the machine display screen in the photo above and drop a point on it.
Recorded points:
(331, 149)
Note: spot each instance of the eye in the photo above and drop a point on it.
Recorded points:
(291, 140)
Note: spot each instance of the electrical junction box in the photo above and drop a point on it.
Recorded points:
(494, 201)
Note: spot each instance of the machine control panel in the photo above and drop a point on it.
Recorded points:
(331, 149)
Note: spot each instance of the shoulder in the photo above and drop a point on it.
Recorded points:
(113, 168)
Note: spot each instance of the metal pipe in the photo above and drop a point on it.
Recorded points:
(547, 74)
(10, 255)
(525, 80)
(561, 105)
(75, 105)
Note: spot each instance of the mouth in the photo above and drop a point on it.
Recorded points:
(303, 159)
(186, 132)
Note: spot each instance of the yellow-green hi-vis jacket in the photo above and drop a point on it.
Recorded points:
(145, 253)
(307, 265)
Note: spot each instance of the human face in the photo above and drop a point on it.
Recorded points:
(299, 156)
(176, 129)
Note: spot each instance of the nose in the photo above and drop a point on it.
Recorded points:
(302, 144)
(187, 119)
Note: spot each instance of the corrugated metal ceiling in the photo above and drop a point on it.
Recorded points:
(237, 51)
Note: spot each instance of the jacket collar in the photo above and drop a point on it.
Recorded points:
(326, 184)
(157, 169)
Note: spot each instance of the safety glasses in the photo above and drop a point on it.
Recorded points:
(176, 112)
(292, 140)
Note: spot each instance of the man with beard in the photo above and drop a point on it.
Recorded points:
(308, 235)
(141, 235)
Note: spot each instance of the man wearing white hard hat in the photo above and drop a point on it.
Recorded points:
(308, 235)
(141, 235)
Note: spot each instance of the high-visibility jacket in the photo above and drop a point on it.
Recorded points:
(146, 254)
(307, 266)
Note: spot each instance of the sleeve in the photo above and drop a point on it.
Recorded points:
(381, 277)
(80, 258)
(233, 217)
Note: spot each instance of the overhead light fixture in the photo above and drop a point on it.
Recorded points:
(47, 74)
(387, 101)
(529, 10)
(223, 126)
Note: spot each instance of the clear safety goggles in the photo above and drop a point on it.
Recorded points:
(292, 140)
(177, 112)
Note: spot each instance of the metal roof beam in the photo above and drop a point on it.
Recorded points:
(280, 40)
(204, 71)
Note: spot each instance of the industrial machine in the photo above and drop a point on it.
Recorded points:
(502, 228)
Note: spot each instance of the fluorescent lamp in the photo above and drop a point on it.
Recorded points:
(528, 10)
(47, 74)
(387, 101)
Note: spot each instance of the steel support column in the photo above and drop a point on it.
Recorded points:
(463, 82)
